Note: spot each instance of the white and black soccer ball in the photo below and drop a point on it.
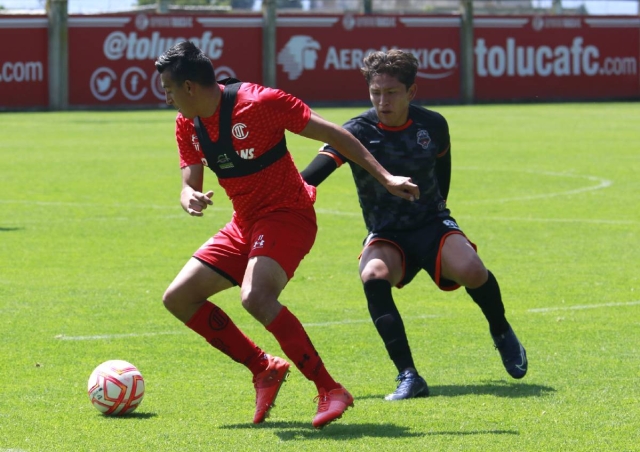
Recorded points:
(116, 388)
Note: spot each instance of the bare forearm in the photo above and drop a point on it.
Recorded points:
(346, 144)
(192, 200)
(352, 149)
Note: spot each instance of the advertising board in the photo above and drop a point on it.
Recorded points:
(23, 62)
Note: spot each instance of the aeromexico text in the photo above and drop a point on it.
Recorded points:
(509, 59)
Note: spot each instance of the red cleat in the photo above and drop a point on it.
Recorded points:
(331, 406)
(267, 384)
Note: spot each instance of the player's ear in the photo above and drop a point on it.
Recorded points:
(189, 86)
(412, 91)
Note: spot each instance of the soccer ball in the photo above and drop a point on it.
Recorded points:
(116, 387)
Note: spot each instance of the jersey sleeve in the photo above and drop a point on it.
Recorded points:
(286, 109)
(443, 158)
(350, 126)
(443, 139)
(188, 145)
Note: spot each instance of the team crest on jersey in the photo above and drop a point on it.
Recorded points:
(240, 131)
(423, 138)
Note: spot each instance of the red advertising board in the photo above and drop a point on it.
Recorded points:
(111, 57)
(556, 57)
(319, 57)
(23, 62)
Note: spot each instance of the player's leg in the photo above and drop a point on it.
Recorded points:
(381, 268)
(191, 287)
(460, 262)
(280, 242)
(187, 299)
(262, 283)
(216, 268)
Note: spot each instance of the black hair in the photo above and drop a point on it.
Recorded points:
(185, 61)
(395, 62)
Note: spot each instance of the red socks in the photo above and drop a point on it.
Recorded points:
(295, 343)
(218, 329)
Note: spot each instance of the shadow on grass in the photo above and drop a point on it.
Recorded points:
(9, 229)
(288, 431)
(134, 415)
(496, 388)
(303, 430)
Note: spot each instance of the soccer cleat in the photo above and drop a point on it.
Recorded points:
(267, 384)
(331, 406)
(411, 385)
(513, 354)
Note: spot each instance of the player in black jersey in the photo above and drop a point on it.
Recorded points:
(406, 237)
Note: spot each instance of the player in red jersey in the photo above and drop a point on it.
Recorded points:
(237, 130)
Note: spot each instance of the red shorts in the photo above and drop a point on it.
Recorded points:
(285, 236)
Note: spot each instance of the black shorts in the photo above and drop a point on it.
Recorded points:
(421, 249)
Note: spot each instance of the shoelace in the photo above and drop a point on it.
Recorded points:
(323, 401)
(405, 380)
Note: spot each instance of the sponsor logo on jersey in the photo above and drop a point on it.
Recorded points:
(246, 154)
(194, 142)
(450, 224)
(259, 243)
(423, 138)
(224, 162)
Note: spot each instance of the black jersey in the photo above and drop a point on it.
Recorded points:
(411, 151)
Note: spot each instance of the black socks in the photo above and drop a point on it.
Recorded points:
(488, 297)
(388, 322)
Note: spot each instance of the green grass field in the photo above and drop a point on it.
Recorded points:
(91, 233)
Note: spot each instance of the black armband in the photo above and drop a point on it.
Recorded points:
(319, 169)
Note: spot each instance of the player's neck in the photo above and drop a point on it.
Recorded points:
(210, 101)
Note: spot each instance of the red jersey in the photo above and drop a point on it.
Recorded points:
(259, 119)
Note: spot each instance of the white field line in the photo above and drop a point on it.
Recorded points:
(346, 322)
(98, 337)
(320, 211)
(584, 306)
(547, 220)
(600, 184)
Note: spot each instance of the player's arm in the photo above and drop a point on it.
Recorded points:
(443, 171)
(192, 199)
(319, 129)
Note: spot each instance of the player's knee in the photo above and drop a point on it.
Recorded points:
(262, 306)
(171, 301)
(253, 300)
(372, 271)
(475, 274)
(369, 275)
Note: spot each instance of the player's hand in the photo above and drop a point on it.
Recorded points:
(403, 187)
(198, 202)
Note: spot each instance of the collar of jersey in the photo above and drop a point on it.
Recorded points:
(397, 128)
